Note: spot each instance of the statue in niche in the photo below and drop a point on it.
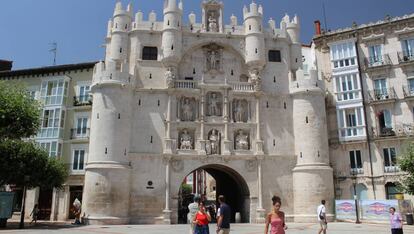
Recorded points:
(242, 141)
(213, 60)
(186, 110)
(255, 79)
(239, 111)
(170, 77)
(212, 23)
(214, 104)
(186, 141)
(213, 146)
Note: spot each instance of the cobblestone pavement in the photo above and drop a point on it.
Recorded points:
(294, 228)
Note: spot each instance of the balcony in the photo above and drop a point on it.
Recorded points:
(391, 169)
(79, 133)
(85, 100)
(382, 133)
(408, 91)
(374, 62)
(406, 57)
(356, 171)
(385, 95)
(185, 84)
(242, 87)
(352, 133)
(76, 169)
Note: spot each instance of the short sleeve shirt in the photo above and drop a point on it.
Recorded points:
(225, 211)
(321, 211)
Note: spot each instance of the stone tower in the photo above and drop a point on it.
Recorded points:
(312, 175)
(172, 33)
(255, 45)
(106, 200)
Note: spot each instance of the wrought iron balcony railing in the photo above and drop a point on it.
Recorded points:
(79, 133)
(382, 94)
(408, 91)
(83, 100)
(377, 61)
(405, 56)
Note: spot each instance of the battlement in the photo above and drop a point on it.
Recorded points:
(172, 6)
(119, 10)
(294, 23)
(111, 72)
(307, 84)
(254, 11)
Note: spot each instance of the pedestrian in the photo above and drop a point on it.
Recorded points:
(201, 220)
(396, 222)
(223, 219)
(276, 218)
(192, 211)
(77, 211)
(322, 218)
(34, 214)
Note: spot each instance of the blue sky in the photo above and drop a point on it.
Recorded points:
(27, 27)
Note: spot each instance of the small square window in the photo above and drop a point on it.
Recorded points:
(275, 56)
(149, 53)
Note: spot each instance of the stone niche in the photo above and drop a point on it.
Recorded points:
(187, 109)
(213, 144)
(186, 139)
(214, 104)
(212, 17)
(242, 140)
(240, 110)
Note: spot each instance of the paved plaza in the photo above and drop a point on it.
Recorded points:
(335, 228)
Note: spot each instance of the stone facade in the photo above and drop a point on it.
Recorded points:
(368, 71)
(233, 100)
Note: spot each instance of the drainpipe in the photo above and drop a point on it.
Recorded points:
(365, 117)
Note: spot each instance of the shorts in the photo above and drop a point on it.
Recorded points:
(224, 231)
(323, 224)
(397, 231)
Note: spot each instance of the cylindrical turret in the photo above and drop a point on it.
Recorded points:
(312, 176)
(121, 25)
(255, 45)
(107, 189)
(172, 35)
(293, 31)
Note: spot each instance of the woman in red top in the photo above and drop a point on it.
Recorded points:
(201, 220)
(276, 218)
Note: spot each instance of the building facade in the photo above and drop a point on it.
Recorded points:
(368, 71)
(63, 92)
(230, 99)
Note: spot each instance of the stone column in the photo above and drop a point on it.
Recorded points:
(168, 140)
(167, 211)
(260, 212)
(259, 142)
(202, 141)
(227, 142)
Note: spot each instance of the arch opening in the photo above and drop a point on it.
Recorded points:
(209, 182)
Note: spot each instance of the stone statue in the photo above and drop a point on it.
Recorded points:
(214, 142)
(242, 141)
(187, 110)
(170, 77)
(239, 111)
(212, 23)
(213, 60)
(214, 105)
(186, 141)
(255, 79)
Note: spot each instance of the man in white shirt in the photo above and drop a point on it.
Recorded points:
(192, 211)
(322, 218)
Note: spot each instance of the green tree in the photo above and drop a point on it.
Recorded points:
(19, 118)
(406, 163)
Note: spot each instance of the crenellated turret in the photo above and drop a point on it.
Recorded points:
(293, 31)
(255, 45)
(311, 146)
(172, 35)
(121, 24)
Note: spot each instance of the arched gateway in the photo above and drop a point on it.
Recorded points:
(171, 98)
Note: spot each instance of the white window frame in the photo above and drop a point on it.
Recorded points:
(345, 93)
(48, 146)
(81, 115)
(343, 54)
(347, 132)
(375, 54)
(356, 169)
(83, 97)
(392, 167)
(55, 124)
(78, 148)
(58, 93)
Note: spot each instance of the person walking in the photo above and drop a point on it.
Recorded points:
(396, 222)
(192, 211)
(201, 220)
(276, 218)
(322, 218)
(223, 220)
(34, 214)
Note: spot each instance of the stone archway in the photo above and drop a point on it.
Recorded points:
(234, 188)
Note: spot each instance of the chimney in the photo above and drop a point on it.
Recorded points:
(317, 28)
(5, 65)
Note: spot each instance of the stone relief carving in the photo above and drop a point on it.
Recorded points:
(214, 104)
(186, 140)
(186, 109)
(212, 23)
(213, 53)
(255, 79)
(240, 110)
(170, 77)
(241, 141)
(213, 144)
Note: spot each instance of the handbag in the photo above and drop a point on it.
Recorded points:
(321, 217)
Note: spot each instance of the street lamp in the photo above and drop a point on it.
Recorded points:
(26, 179)
(354, 182)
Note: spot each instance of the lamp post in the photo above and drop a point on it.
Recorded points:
(26, 179)
(354, 182)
